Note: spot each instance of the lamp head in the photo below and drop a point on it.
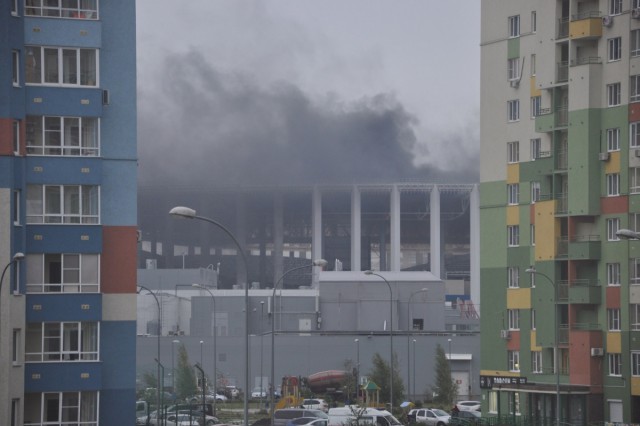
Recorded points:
(356, 340)
(628, 234)
(196, 285)
(181, 211)
(176, 341)
(368, 272)
(18, 256)
(320, 262)
(530, 270)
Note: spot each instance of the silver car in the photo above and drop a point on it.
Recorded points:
(432, 416)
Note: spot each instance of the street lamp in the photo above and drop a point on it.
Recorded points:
(317, 262)
(628, 234)
(15, 259)
(261, 352)
(189, 213)
(449, 340)
(422, 290)
(159, 400)
(204, 400)
(357, 386)
(556, 348)
(414, 368)
(390, 337)
(159, 410)
(215, 355)
(173, 367)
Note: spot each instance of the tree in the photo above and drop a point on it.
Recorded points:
(445, 388)
(380, 376)
(186, 384)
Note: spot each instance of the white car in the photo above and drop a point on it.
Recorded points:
(432, 416)
(258, 393)
(468, 405)
(315, 404)
(182, 420)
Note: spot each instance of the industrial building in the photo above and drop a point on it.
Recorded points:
(68, 217)
(560, 170)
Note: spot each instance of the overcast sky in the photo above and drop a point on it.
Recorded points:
(394, 82)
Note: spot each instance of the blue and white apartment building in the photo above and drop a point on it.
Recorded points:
(68, 203)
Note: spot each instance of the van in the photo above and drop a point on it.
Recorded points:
(142, 408)
(281, 417)
(347, 415)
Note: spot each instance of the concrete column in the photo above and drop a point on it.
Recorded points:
(394, 262)
(316, 238)
(278, 236)
(435, 242)
(474, 242)
(356, 230)
(241, 236)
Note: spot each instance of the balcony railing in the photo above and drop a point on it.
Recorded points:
(586, 15)
(562, 160)
(563, 27)
(586, 61)
(563, 72)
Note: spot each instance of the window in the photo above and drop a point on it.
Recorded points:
(635, 363)
(513, 277)
(613, 94)
(63, 204)
(514, 26)
(14, 7)
(635, 43)
(16, 137)
(615, 364)
(532, 234)
(15, 412)
(513, 152)
(613, 319)
(69, 136)
(76, 9)
(634, 88)
(536, 362)
(533, 65)
(63, 408)
(634, 221)
(533, 319)
(417, 324)
(534, 22)
(15, 208)
(15, 352)
(493, 401)
(61, 66)
(535, 192)
(613, 139)
(536, 148)
(634, 313)
(15, 67)
(612, 227)
(513, 194)
(613, 184)
(514, 319)
(535, 106)
(634, 271)
(63, 273)
(635, 4)
(613, 274)
(634, 135)
(634, 180)
(615, 49)
(513, 235)
(513, 110)
(615, 7)
(532, 280)
(62, 341)
(513, 358)
(15, 281)
(513, 69)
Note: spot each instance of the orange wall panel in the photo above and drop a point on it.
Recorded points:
(513, 344)
(583, 367)
(119, 259)
(6, 136)
(613, 297)
(634, 111)
(614, 205)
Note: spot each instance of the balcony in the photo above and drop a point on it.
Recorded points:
(587, 60)
(584, 247)
(562, 72)
(563, 27)
(587, 25)
(580, 291)
(562, 207)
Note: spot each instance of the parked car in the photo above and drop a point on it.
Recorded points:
(281, 417)
(432, 416)
(258, 393)
(308, 421)
(197, 414)
(472, 418)
(468, 405)
(182, 420)
(349, 414)
(316, 404)
(232, 392)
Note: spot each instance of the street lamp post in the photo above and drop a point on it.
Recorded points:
(409, 334)
(390, 338)
(15, 259)
(173, 367)
(414, 368)
(262, 395)
(189, 213)
(204, 400)
(215, 354)
(317, 262)
(159, 410)
(357, 386)
(556, 348)
(159, 400)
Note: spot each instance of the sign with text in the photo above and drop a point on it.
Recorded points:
(488, 382)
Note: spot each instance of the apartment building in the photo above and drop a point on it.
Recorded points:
(68, 203)
(560, 176)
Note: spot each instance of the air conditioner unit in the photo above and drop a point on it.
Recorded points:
(514, 83)
(607, 21)
(635, 13)
(603, 156)
(597, 352)
(505, 334)
(637, 152)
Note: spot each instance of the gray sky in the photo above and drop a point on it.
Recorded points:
(389, 82)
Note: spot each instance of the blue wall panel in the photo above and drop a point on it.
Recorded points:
(118, 353)
(62, 32)
(64, 239)
(64, 170)
(119, 193)
(118, 407)
(62, 376)
(64, 307)
(80, 102)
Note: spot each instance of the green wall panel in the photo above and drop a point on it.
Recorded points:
(513, 48)
(584, 166)
(493, 284)
(493, 237)
(493, 194)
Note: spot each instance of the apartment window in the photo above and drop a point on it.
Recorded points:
(532, 280)
(16, 344)
(536, 362)
(493, 401)
(514, 26)
(532, 234)
(513, 69)
(534, 22)
(635, 363)
(513, 110)
(513, 277)
(634, 271)
(634, 88)
(635, 4)
(15, 208)
(615, 49)
(634, 313)
(63, 204)
(61, 66)
(14, 7)
(62, 341)
(15, 67)
(67, 136)
(613, 184)
(63, 408)
(75, 9)
(613, 139)
(513, 358)
(15, 282)
(615, 7)
(634, 134)
(613, 94)
(16, 137)
(513, 194)
(535, 192)
(533, 65)
(533, 319)
(613, 274)
(634, 221)
(63, 273)
(513, 235)
(615, 364)
(536, 148)
(535, 106)
(635, 43)
(613, 319)
(634, 180)
(514, 319)
(513, 152)
(612, 227)
(15, 412)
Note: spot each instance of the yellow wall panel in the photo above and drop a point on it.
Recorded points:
(591, 27)
(519, 298)
(532, 88)
(613, 164)
(533, 345)
(546, 226)
(499, 373)
(513, 215)
(614, 342)
(513, 173)
(635, 386)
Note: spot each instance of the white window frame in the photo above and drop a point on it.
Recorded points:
(614, 96)
(532, 234)
(513, 235)
(613, 184)
(62, 136)
(15, 68)
(613, 274)
(613, 139)
(86, 412)
(514, 26)
(536, 105)
(634, 221)
(613, 319)
(615, 364)
(535, 192)
(634, 88)
(536, 148)
(513, 69)
(634, 134)
(635, 363)
(47, 66)
(16, 345)
(513, 316)
(85, 10)
(15, 208)
(513, 152)
(634, 314)
(513, 110)
(533, 319)
(63, 341)
(614, 49)
(635, 4)
(615, 7)
(79, 273)
(513, 361)
(493, 401)
(513, 277)
(613, 225)
(534, 22)
(634, 180)
(51, 204)
(634, 271)
(634, 43)
(15, 412)
(536, 362)
(513, 194)
(16, 137)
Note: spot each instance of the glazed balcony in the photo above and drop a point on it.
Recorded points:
(584, 26)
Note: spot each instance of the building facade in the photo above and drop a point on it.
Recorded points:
(68, 202)
(560, 172)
